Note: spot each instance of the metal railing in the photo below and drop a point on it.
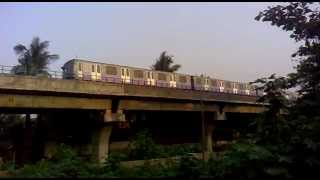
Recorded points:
(118, 80)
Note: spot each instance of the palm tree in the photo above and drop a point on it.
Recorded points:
(33, 61)
(163, 63)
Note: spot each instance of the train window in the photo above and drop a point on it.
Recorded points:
(228, 85)
(127, 72)
(138, 74)
(182, 79)
(122, 72)
(148, 75)
(214, 83)
(92, 67)
(162, 76)
(98, 69)
(242, 86)
(111, 70)
(80, 67)
(198, 81)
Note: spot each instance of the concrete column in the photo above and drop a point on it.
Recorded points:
(220, 116)
(101, 137)
(118, 116)
(209, 131)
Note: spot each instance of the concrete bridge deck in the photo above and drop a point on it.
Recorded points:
(36, 92)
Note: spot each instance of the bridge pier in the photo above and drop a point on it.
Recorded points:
(209, 130)
(109, 116)
(101, 142)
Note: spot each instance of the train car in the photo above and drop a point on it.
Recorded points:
(95, 71)
(183, 81)
(217, 85)
(162, 79)
(89, 70)
(244, 89)
(201, 83)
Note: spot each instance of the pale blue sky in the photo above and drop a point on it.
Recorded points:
(219, 39)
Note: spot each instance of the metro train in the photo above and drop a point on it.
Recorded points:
(96, 71)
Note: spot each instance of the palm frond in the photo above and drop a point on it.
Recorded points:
(19, 49)
(35, 60)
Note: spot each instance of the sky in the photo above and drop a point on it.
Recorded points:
(221, 40)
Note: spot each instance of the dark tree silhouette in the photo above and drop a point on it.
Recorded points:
(302, 20)
(163, 63)
(35, 59)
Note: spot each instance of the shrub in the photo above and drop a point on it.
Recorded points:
(65, 163)
(189, 166)
(142, 146)
(244, 161)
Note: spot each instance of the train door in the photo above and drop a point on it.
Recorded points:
(235, 90)
(98, 73)
(150, 78)
(247, 91)
(125, 75)
(192, 82)
(173, 82)
(95, 72)
(80, 72)
(221, 88)
(206, 84)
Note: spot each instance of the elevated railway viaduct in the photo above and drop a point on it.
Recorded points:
(113, 103)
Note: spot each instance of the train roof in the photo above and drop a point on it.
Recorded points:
(83, 60)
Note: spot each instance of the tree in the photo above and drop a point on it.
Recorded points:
(300, 148)
(271, 123)
(35, 60)
(163, 63)
(302, 19)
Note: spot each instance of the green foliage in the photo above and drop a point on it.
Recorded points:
(164, 63)
(189, 166)
(158, 170)
(35, 59)
(244, 161)
(65, 163)
(271, 125)
(142, 146)
(301, 19)
(298, 148)
(9, 166)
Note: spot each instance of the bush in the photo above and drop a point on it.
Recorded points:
(190, 167)
(142, 147)
(65, 163)
(244, 161)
